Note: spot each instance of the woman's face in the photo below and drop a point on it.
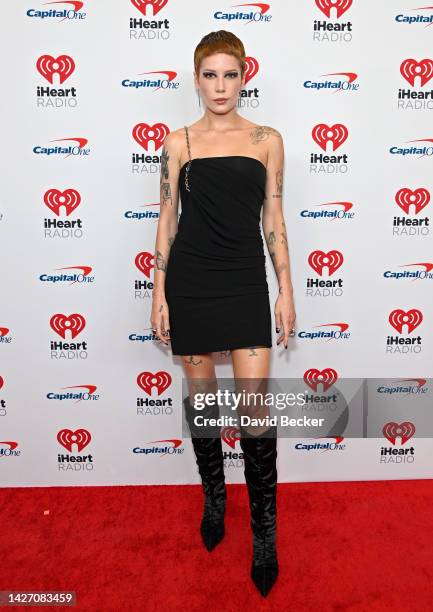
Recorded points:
(219, 81)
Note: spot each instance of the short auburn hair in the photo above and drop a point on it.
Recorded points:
(220, 41)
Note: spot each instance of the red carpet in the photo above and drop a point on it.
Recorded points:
(342, 546)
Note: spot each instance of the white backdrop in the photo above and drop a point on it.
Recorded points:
(79, 202)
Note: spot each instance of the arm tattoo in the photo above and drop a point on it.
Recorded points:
(166, 194)
(271, 239)
(164, 163)
(165, 186)
(170, 241)
(161, 263)
(262, 132)
(279, 181)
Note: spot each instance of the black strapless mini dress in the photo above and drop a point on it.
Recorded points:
(215, 285)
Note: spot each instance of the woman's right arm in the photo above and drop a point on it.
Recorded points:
(166, 232)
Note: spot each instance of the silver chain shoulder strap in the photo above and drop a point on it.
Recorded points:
(189, 163)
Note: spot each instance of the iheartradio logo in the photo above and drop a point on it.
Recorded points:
(335, 134)
(79, 437)
(143, 133)
(411, 319)
(410, 69)
(48, 66)
(159, 380)
(144, 262)
(252, 68)
(326, 378)
(230, 435)
(60, 323)
(339, 6)
(68, 200)
(418, 199)
(332, 260)
(393, 430)
(151, 6)
(1, 382)
(3, 332)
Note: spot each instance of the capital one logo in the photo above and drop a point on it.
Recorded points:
(143, 261)
(230, 435)
(326, 377)
(335, 134)
(156, 5)
(143, 133)
(393, 430)
(419, 198)
(60, 323)
(410, 69)
(159, 380)
(318, 260)
(341, 6)
(80, 437)
(412, 318)
(48, 66)
(54, 199)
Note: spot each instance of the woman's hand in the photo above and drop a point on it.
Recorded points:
(284, 317)
(159, 318)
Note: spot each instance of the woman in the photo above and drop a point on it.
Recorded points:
(210, 287)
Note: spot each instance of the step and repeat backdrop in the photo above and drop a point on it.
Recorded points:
(88, 396)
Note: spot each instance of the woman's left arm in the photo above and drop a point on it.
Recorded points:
(274, 230)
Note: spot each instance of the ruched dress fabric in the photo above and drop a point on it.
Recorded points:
(215, 285)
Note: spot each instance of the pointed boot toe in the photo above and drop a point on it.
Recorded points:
(212, 534)
(264, 577)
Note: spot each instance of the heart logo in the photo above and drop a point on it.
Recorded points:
(319, 259)
(144, 133)
(252, 68)
(48, 66)
(326, 378)
(392, 430)
(147, 381)
(410, 69)
(411, 318)
(80, 437)
(143, 261)
(55, 199)
(75, 323)
(230, 435)
(341, 6)
(322, 134)
(419, 198)
(156, 5)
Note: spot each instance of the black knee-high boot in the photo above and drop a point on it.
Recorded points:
(260, 454)
(210, 462)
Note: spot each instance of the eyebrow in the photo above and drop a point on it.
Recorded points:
(213, 70)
